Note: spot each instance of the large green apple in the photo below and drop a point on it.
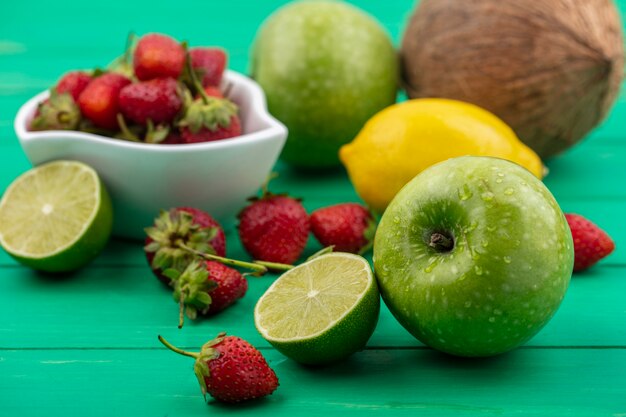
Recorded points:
(473, 256)
(326, 68)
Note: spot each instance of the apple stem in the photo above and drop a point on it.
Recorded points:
(441, 242)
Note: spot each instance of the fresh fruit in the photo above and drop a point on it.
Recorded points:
(172, 138)
(591, 243)
(158, 100)
(59, 112)
(205, 288)
(550, 69)
(349, 227)
(405, 139)
(473, 256)
(158, 56)
(181, 226)
(209, 63)
(230, 369)
(208, 119)
(326, 67)
(274, 228)
(321, 311)
(74, 83)
(99, 101)
(159, 108)
(56, 217)
(213, 91)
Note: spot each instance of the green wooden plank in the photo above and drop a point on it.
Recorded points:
(127, 307)
(528, 382)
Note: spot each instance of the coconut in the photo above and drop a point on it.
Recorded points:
(551, 69)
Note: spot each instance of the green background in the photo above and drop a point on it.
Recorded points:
(86, 344)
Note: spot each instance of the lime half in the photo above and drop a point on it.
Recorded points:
(56, 217)
(321, 311)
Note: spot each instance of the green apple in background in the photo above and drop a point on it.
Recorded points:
(326, 68)
(473, 256)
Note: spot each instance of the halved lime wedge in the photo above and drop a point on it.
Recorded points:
(56, 217)
(321, 311)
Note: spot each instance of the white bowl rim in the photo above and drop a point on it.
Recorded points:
(258, 105)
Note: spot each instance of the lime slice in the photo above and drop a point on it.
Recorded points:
(321, 311)
(56, 217)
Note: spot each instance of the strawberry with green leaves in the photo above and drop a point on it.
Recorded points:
(58, 112)
(230, 369)
(209, 65)
(177, 228)
(274, 228)
(205, 288)
(209, 119)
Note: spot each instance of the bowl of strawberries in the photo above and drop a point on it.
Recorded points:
(165, 125)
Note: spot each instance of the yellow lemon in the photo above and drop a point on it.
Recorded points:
(402, 140)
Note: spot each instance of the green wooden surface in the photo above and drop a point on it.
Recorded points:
(86, 344)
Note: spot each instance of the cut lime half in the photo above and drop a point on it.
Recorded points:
(321, 311)
(56, 217)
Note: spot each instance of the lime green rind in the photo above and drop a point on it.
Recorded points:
(84, 249)
(348, 335)
(87, 244)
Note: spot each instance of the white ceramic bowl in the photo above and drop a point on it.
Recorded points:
(144, 178)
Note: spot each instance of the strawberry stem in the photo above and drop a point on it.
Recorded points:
(130, 39)
(275, 266)
(181, 310)
(128, 135)
(177, 350)
(258, 269)
(194, 79)
(264, 188)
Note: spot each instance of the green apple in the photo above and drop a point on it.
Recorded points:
(473, 256)
(326, 68)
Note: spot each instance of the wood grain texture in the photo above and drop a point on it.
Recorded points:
(86, 344)
(526, 382)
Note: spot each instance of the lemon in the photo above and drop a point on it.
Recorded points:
(56, 217)
(402, 140)
(321, 311)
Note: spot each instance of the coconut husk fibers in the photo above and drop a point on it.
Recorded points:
(551, 69)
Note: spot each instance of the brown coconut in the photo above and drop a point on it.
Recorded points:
(551, 69)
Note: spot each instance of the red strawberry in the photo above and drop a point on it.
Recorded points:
(209, 64)
(158, 56)
(158, 100)
(99, 101)
(213, 91)
(231, 286)
(274, 228)
(73, 82)
(206, 288)
(208, 119)
(173, 138)
(349, 227)
(231, 369)
(590, 242)
(191, 226)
